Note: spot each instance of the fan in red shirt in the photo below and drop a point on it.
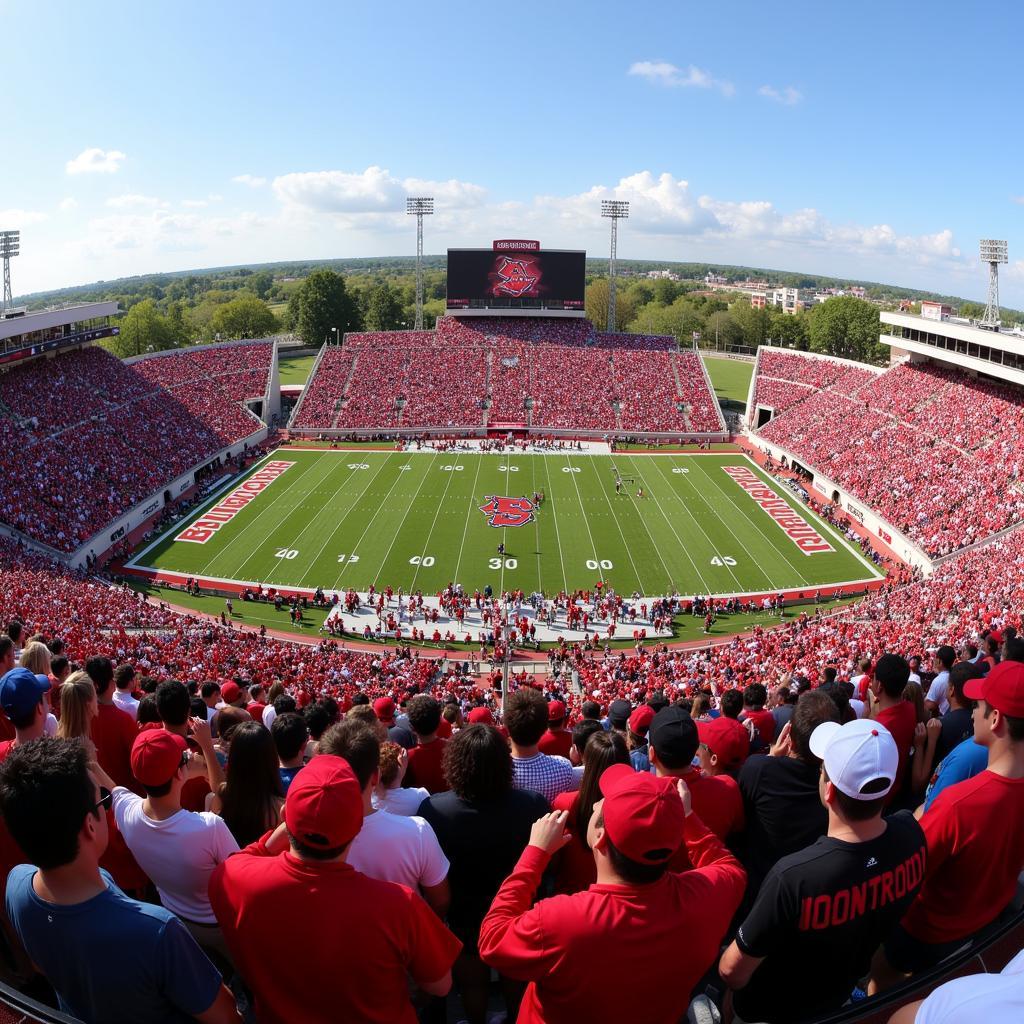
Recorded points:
(557, 741)
(113, 730)
(755, 696)
(975, 835)
(888, 707)
(638, 917)
(355, 959)
(257, 704)
(425, 758)
(716, 799)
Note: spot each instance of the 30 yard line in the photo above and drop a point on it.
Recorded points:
(426, 543)
(679, 541)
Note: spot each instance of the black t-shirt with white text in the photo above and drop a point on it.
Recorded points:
(821, 914)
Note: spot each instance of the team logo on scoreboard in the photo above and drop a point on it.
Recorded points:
(503, 512)
(514, 277)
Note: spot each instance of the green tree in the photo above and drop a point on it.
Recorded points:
(596, 304)
(244, 317)
(383, 309)
(143, 329)
(722, 330)
(324, 302)
(261, 283)
(847, 327)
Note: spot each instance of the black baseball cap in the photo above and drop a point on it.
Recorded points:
(673, 735)
(618, 712)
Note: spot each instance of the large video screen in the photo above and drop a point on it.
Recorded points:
(483, 278)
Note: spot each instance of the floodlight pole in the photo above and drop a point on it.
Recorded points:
(993, 252)
(419, 207)
(616, 210)
(10, 246)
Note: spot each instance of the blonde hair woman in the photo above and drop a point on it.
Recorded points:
(78, 707)
(36, 658)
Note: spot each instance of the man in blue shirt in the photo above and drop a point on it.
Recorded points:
(110, 959)
(963, 762)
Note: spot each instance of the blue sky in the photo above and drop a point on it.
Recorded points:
(877, 140)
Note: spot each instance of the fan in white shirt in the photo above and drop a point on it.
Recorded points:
(389, 847)
(124, 681)
(389, 794)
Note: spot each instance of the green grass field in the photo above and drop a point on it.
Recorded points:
(730, 378)
(412, 520)
(295, 369)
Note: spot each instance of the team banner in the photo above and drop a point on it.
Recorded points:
(227, 508)
(793, 525)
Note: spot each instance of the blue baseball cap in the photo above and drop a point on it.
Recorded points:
(21, 691)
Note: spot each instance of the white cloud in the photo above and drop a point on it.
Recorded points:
(661, 72)
(1019, 200)
(373, 191)
(134, 201)
(13, 219)
(96, 161)
(787, 96)
(249, 179)
(67, 204)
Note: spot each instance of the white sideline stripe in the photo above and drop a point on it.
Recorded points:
(820, 522)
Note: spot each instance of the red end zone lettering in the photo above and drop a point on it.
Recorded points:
(207, 525)
(792, 524)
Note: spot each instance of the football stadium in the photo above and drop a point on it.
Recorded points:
(538, 638)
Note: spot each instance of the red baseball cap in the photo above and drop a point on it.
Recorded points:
(640, 720)
(156, 756)
(726, 739)
(481, 716)
(324, 806)
(1002, 688)
(643, 814)
(556, 710)
(230, 692)
(384, 709)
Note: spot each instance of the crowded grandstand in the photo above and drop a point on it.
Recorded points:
(818, 818)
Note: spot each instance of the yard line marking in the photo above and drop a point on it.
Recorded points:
(469, 513)
(669, 586)
(679, 540)
(536, 526)
(714, 546)
(583, 512)
(625, 543)
(409, 508)
(760, 523)
(426, 543)
(554, 517)
(234, 540)
(341, 520)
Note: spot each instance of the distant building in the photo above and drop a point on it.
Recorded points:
(714, 279)
(936, 310)
(759, 300)
(786, 298)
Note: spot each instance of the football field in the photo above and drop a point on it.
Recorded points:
(705, 523)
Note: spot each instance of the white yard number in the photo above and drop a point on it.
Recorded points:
(508, 469)
(724, 560)
(603, 564)
(452, 469)
(349, 558)
(570, 469)
(405, 467)
(288, 553)
(358, 465)
(509, 563)
(426, 561)
(679, 469)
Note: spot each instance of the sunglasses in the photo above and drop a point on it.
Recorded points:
(105, 798)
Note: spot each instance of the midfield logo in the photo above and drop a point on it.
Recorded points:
(514, 278)
(503, 512)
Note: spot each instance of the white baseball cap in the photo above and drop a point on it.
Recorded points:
(856, 755)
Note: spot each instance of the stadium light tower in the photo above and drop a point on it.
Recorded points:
(10, 246)
(993, 252)
(616, 209)
(419, 207)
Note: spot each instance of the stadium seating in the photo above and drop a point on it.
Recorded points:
(931, 450)
(95, 436)
(553, 373)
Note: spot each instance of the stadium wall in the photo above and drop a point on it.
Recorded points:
(903, 547)
(119, 528)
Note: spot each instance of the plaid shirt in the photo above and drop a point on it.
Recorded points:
(544, 774)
